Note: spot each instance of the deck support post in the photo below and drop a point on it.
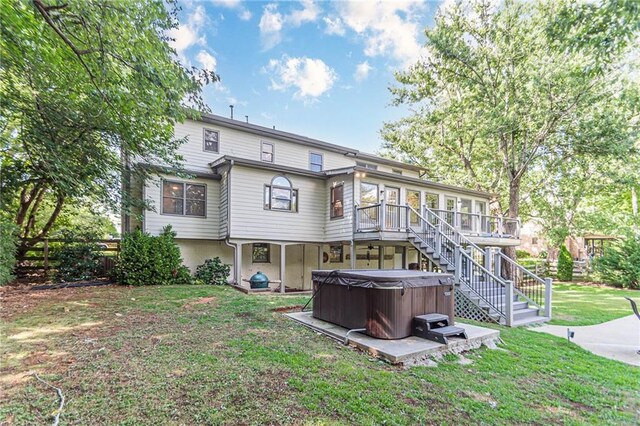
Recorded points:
(382, 216)
(508, 303)
(548, 285)
(283, 265)
(353, 254)
(497, 263)
(405, 257)
(380, 257)
(320, 257)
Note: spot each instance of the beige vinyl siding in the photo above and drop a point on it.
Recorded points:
(249, 219)
(185, 226)
(246, 145)
(340, 229)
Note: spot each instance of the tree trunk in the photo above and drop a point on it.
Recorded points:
(511, 227)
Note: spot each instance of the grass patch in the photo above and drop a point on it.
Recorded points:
(158, 355)
(588, 304)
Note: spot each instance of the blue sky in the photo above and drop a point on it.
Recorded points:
(317, 68)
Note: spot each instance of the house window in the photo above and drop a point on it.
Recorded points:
(366, 165)
(431, 201)
(280, 195)
(261, 253)
(337, 201)
(534, 240)
(336, 254)
(368, 194)
(211, 140)
(397, 171)
(185, 199)
(315, 162)
(266, 152)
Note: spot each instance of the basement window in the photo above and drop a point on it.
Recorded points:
(261, 253)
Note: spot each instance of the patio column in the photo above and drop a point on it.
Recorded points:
(283, 264)
(405, 257)
(380, 257)
(320, 257)
(238, 264)
(353, 255)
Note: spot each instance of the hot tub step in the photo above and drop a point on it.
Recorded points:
(440, 334)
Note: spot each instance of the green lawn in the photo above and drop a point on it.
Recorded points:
(587, 304)
(154, 356)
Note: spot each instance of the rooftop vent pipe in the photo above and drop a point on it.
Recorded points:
(231, 106)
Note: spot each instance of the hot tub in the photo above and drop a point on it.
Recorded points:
(383, 302)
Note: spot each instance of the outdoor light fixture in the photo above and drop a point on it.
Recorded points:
(570, 334)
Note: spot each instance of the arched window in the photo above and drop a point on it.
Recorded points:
(280, 195)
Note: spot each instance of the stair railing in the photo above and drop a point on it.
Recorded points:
(445, 241)
(535, 290)
(531, 287)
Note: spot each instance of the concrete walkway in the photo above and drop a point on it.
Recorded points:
(618, 339)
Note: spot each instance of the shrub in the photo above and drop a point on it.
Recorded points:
(213, 271)
(543, 254)
(620, 263)
(8, 245)
(78, 261)
(565, 264)
(150, 260)
(522, 254)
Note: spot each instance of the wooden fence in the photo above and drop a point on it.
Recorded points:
(40, 259)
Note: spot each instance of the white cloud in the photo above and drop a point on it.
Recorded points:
(272, 22)
(308, 13)
(311, 77)
(270, 26)
(333, 25)
(388, 28)
(189, 34)
(243, 13)
(206, 60)
(362, 71)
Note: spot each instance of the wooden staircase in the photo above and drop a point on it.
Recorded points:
(504, 290)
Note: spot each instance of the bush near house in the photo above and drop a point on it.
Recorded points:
(565, 264)
(620, 263)
(213, 271)
(522, 254)
(151, 260)
(78, 261)
(8, 245)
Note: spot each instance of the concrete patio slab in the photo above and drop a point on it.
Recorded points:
(405, 350)
(618, 339)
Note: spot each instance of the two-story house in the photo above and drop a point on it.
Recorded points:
(266, 200)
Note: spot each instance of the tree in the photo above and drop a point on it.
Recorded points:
(496, 97)
(81, 84)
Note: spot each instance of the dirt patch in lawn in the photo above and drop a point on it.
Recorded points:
(211, 301)
(284, 309)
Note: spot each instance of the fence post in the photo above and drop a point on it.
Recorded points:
(45, 254)
(508, 303)
(548, 286)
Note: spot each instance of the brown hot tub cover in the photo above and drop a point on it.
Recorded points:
(382, 278)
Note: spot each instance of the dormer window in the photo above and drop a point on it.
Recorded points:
(280, 195)
(211, 140)
(366, 165)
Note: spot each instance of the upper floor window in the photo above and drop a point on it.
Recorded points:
(280, 195)
(368, 194)
(185, 199)
(431, 201)
(337, 201)
(211, 140)
(267, 152)
(315, 162)
(366, 165)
